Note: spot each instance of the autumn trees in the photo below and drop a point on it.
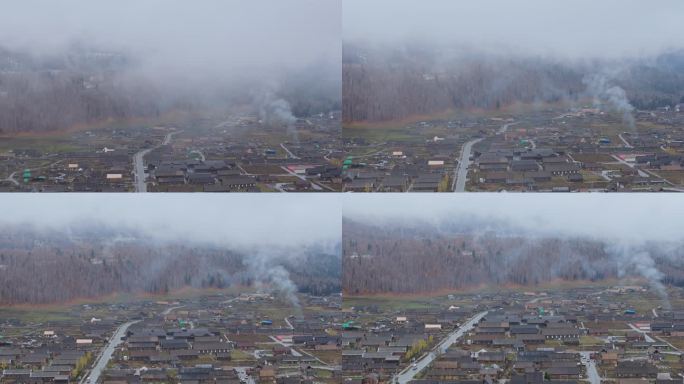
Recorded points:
(48, 267)
(380, 84)
(403, 259)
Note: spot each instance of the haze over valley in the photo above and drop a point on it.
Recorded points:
(513, 96)
(168, 96)
(206, 243)
(492, 55)
(468, 242)
(76, 64)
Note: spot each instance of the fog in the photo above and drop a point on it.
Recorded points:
(571, 29)
(207, 43)
(626, 218)
(160, 243)
(638, 235)
(238, 221)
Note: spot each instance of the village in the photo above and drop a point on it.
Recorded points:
(246, 337)
(239, 153)
(543, 150)
(623, 334)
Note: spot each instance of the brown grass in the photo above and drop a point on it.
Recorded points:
(505, 110)
(185, 292)
(81, 127)
(401, 122)
(551, 285)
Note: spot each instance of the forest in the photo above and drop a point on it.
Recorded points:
(404, 259)
(390, 82)
(42, 93)
(41, 266)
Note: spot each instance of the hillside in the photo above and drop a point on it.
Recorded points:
(393, 258)
(43, 93)
(381, 84)
(49, 267)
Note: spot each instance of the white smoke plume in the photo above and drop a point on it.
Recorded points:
(272, 277)
(610, 96)
(632, 260)
(274, 111)
(633, 242)
(270, 235)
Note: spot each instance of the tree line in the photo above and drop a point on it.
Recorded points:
(38, 267)
(380, 84)
(396, 259)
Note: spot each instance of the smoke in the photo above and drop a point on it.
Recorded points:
(614, 97)
(272, 277)
(161, 243)
(634, 260)
(100, 71)
(276, 112)
(513, 256)
(110, 244)
(531, 239)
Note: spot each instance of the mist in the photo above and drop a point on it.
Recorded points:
(105, 243)
(403, 59)
(237, 221)
(214, 39)
(534, 238)
(625, 217)
(568, 29)
(76, 61)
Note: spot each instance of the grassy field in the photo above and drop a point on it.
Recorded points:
(263, 169)
(676, 177)
(591, 177)
(51, 144)
(593, 157)
(324, 374)
(238, 355)
(417, 301)
(58, 310)
(385, 302)
(38, 315)
(382, 134)
(63, 141)
(397, 123)
(265, 188)
(645, 302)
(330, 357)
(590, 341)
(678, 342)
